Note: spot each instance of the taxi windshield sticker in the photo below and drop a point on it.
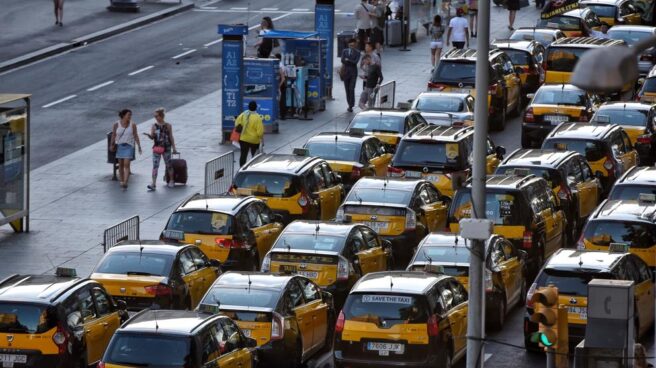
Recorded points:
(452, 151)
(387, 299)
(505, 208)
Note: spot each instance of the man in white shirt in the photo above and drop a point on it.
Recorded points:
(459, 28)
(364, 13)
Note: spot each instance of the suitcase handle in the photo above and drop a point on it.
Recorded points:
(176, 153)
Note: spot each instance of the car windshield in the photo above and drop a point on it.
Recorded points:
(337, 151)
(622, 117)
(24, 318)
(326, 243)
(542, 38)
(385, 309)
(560, 97)
(426, 153)
(378, 195)
(592, 150)
(562, 22)
(244, 297)
(649, 85)
(201, 222)
(149, 350)
(266, 184)
(630, 191)
(604, 11)
(502, 207)
(630, 37)
(563, 59)
(378, 123)
(124, 263)
(453, 71)
(636, 234)
(573, 283)
(440, 104)
(443, 254)
(552, 176)
(518, 57)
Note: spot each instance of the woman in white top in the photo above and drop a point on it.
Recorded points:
(436, 32)
(124, 137)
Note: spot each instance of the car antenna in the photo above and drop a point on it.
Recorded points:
(207, 205)
(249, 282)
(141, 248)
(355, 194)
(289, 247)
(391, 282)
(580, 260)
(316, 231)
(430, 261)
(156, 324)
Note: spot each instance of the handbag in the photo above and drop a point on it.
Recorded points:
(158, 150)
(114, 147)
(235, 135)
(342, 72)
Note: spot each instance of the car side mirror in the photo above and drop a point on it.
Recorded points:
(337, 178)
(214, 263)
(522, 254)
(251, 343)
(276, 217)
(327, 297)
(121, 305)
(530, 95)
(599, 175)
(387, 245)
(500, 151)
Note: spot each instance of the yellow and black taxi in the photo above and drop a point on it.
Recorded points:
(647, 92)
(288, 316)
(402, 318)
(524, 210)
(614, 12)
(388, 125)
(402, 211)
(505, 269)
(295, 186)
(626, 221)
(445, 108)
(441, 155)
(569, 176)
(528, 55)
(59, 321)
(638, 121)
(172, 338)
(352, 155)
(638, 180)
(154, 274)
(544, 36)
(552, 105)
(236, 231)
(563, 54)
(456, 73)
(606, 147)
(574, 23)
(571, 270)
(333, 255)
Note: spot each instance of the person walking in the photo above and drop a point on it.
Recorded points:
(373, 79)
(363, 13)
(252, 132)
(459, 28)
(59, 12)
(472, 6)
(161, 133)
(436, 32)
(377, 31)
(265, 45)
(513, 7)
(349, 73)
(124, 137)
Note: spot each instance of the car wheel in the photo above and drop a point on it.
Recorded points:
(297, 360)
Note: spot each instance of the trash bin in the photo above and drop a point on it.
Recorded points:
(342, 40)
(111, 155)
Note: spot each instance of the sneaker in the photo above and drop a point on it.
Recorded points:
(171, 184)
(350, 109)
(151, 187)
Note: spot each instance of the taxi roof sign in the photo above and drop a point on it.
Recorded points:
(301, 152)
(618, 248)
(65, 272)
(209, 308)
(173, 235)
(647, 198)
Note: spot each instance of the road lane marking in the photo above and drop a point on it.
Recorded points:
(141, 70)
(280, 17)
(249, 28)
(213, 42)
(99, 86)
(59, 101)
(300, 9)
(269, 9)
(238, 8)
(184, 54)
(244, 10)
(210, 7)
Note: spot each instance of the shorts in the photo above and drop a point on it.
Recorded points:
(473, 11)
(436, 45)
(377, 36)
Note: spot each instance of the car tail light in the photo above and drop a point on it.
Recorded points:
(529, 295)
(356, 172)
(528, 116)
(159, 290)
(60, 338)
(527, 241)
(489, 285)
(395, 172)
(101, 364)
(277, 327)
(231, 243)
(339, 325)
(433, 325)
(608, 164)
(266, 263)
(494, 89)
(644, 139)
(410, 219)
(436, 86)
(343, 269)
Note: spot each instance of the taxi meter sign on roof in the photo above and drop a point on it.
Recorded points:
(557, 7)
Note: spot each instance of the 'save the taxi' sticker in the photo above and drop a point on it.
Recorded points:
(386, 299)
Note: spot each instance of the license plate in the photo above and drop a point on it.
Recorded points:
(460, 90)
(309, 274)
(556, 119)
(376, 225)
(8, 360)
(413, 174)
(247, 333)
(287, 268)
(432, 178)
(581, 312)
(384, 348)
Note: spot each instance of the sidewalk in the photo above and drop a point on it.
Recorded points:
(73, 199)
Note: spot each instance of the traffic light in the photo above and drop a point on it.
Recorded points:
(545, 313)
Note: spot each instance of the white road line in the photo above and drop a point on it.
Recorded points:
(141, 70)
(209, 7)
(337, 10)
(238, 8)
(249, 28)
(280, 17)
(59, 101)
(300, 9)
(212, 2)
(184, 54)
(269, 9)
(213, 42)
(99, 86)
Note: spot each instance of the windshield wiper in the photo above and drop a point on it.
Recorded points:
(139, 273)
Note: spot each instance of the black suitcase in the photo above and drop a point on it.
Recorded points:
(179, 170)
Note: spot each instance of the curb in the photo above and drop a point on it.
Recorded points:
(93, 37)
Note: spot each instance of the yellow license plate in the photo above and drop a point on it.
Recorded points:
(308, 274)
(377, 226)
(581, 312)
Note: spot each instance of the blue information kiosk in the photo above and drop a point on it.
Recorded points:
(261, 80)
(232, 75)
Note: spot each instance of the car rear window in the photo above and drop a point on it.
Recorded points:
(149, 350)
(560, 97)
(569, 282)
(543, 39)
(604, 11)
(561, 22)
(267, 184)
(590, 149)
(630, 191)
(636, 234)
(519, 57)
(501, 207)
(630, 37)
(387, 309)
(135, 263)
(455, 72)
(552, 176)
(378, 195)
(427, 153)
(622, 117)
(378, 123)
(563, 59)
(313, 242)
(338, 151)
(25, 318)
(442, 254)
(201, 222)
(251, 297)
(649, 85)
(440, 104)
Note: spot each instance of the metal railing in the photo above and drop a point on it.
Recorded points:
(125, 230)
(219, 173)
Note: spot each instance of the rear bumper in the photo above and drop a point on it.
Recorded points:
(36, 359)
(340, 361)
(536, 132)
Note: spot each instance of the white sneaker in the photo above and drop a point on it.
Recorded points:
(171, 184)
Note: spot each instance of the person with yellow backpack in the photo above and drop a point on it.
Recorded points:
(250, 128)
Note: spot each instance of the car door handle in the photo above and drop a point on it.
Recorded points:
(87, 331)
(105, 324)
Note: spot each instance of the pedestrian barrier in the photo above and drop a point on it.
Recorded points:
(218, 174)
(385, 97)
(125, 230)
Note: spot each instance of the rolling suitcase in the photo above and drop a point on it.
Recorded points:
(393, 35)
(179, 170)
